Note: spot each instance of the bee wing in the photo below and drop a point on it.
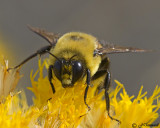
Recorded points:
(108, 48)
(49, 36)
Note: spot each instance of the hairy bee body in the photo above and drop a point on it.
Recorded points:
(80, 45)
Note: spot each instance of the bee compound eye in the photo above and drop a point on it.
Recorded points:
(58, 69)
(77, 69)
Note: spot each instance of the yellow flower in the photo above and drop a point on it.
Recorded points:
(14, 110)
(131, 113)
(67, 109)
(15, 113)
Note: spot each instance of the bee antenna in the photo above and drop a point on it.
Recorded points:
(54, 56)
(72, 57)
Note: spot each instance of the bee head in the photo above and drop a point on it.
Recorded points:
(68, 71)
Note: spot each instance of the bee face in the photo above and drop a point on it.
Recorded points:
(68, 71)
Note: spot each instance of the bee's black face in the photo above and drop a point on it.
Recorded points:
(68, 72)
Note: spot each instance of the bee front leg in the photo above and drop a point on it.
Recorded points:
(86, 90)
(106, 87)
(40, 52)
(50, 76)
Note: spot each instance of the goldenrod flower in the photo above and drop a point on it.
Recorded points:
(15, 113)
(67, 109)
(14, 110)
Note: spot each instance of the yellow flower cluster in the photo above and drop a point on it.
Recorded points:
(15, 113)
(66, 108)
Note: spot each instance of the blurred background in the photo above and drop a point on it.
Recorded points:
(126, 23)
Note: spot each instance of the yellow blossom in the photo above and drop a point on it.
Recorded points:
(67, 109)
(13, 105)
(14, 112)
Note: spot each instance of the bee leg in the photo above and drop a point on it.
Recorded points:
(50, 78)
(86, 90)
(40, 52)
(106, 87)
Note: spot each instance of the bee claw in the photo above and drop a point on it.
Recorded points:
(49, 99)
(89, 108)
(119, 122)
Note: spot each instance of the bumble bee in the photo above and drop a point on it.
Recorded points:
(77, 56)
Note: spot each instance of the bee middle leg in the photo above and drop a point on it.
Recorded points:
(86, 90)
(104, 75)
(106, 87)
(50, 76)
